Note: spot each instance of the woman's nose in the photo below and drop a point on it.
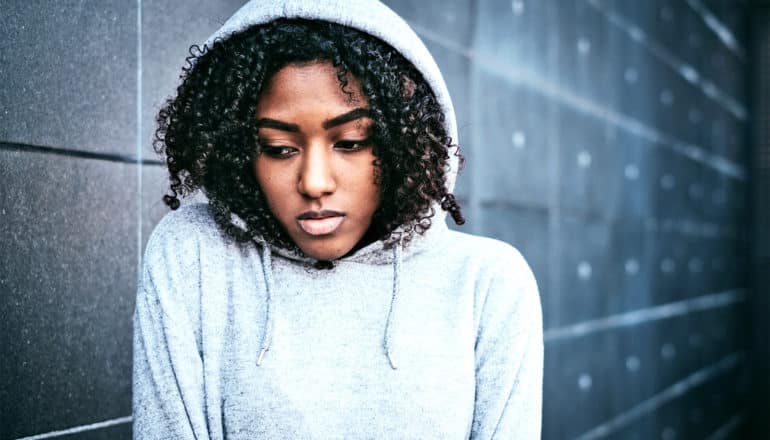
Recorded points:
(316, 177)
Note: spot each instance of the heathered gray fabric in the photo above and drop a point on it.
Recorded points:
(467, 340)
(441, 339)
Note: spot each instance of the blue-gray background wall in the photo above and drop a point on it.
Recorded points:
(611, 141)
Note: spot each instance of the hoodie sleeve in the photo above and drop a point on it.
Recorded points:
(168, 395)
(509, 356)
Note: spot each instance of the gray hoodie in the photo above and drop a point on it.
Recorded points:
(441, 339)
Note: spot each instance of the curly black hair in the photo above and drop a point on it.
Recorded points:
(210, 140)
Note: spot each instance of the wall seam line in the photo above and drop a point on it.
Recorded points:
(75, 153)
(672, 392)
(650, 314)
(729, 427)
(78, 429)
(139, 155)
(723, 33)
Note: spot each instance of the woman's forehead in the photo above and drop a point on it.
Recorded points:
(309, 88)
(312, 79)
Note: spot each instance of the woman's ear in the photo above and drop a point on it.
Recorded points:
(407, 87)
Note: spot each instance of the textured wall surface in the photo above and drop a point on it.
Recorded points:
(606, 139)
(760, 161)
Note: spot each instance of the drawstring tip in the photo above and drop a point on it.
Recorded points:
(261, 355)
(392, 362)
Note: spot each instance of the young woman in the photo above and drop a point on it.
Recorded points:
(319, 292)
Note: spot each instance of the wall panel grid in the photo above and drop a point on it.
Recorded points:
(607, 140)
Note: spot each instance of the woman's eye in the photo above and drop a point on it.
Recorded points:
(353, 145)
(277, 152)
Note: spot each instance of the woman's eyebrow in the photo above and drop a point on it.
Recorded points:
(278, 125)
(352, 115)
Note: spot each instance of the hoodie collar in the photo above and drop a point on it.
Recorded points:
(375, 252)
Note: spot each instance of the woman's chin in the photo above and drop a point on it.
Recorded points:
(325, 252)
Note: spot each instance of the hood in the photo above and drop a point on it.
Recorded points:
(376, 19)
(370, 16)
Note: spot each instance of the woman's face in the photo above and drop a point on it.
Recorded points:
(316, 167)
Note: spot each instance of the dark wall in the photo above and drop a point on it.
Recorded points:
(607, 140)
(760, 161)
(81, 187)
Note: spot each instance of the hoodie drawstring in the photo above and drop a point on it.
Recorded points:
(396, 288)
(267, 271)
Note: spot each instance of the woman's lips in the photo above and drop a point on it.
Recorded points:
(321, 226)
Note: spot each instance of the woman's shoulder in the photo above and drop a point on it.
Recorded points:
(193, 218)
(489, 252)
(184, 231)
(508, 287)
(497, 265)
